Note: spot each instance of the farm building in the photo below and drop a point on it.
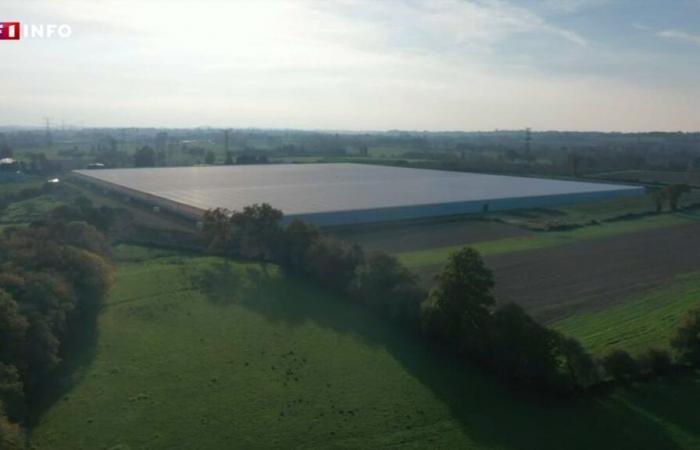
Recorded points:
(340, 194)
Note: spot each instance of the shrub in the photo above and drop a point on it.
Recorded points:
(383, 284)
(332, 262)
(11, 392)
(580, 366)
(620, 365)
(657, 361)
(522, 350)
(686, 342)
(297, 239)
(11, 435)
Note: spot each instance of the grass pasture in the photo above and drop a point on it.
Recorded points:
(198, 352)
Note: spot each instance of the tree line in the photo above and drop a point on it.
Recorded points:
(459, 313)
(54, 275)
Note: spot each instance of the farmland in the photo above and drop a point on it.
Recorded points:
(652, 176)
(595, 273)
(436, 256)
(638, 322)
(430, 236)
(289, 365)
(616, 283)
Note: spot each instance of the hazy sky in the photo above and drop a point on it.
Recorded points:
(357, 64)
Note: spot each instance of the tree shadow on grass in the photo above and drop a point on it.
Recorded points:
(281, 299)
(78, 350)
(674, 400)
(487, 411)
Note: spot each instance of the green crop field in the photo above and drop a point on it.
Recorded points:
(437, 256)
(639, 323)
(200, 352)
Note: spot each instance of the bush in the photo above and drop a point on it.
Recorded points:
(332, 262)
(297, 239)
(103, 218)
(254, 233)
(657, 361)
(522, 350)
(579, 365)
(11, 435)
(686, 342)
(12, 392)
(620, 365)
(383, 284)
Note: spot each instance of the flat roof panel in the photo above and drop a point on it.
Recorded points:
(318, 188)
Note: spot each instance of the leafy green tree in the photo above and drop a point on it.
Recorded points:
(522, 350)
(145, 157)
(11, 435)
(458, 307)
(13, 329)
(50, 295)
(42, 349)
(332, 262)
(12, 392)
(384, 284)
(674, 193)
(686, 341)
(50, 271)
(657, 361)
(103, 218)
(256, 231)
(89, 274)
(620, 365)
(210, 157)
(580, 366)
(658, 198)
(298, 237)
(216, 229)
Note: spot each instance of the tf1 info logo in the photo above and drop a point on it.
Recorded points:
(14, 31)
(9, 31)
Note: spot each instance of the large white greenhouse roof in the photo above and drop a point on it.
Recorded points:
(312, 189)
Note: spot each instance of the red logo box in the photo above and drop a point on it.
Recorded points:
(9, 31)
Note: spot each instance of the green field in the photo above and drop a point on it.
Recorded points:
(13, 187)
(638, 323)
(652, 176)
(541, 240)
(28, 210)
(199, 352)
(578, 214)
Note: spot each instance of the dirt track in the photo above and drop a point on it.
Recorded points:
(553, 283)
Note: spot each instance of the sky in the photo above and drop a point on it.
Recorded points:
(607, 65)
